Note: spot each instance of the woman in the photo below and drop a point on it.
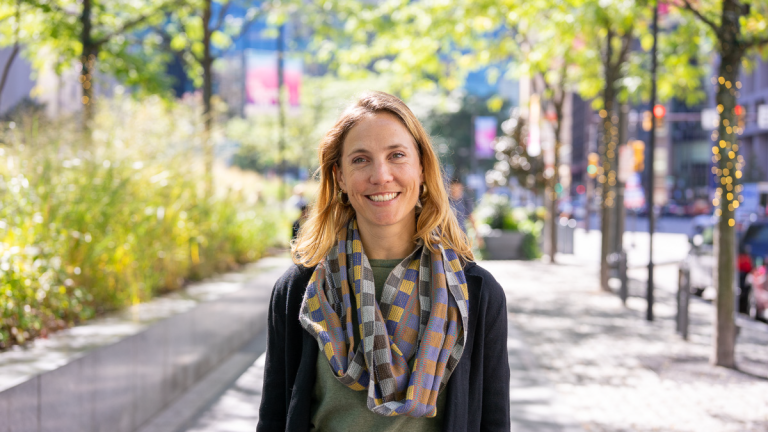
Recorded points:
(384, 323)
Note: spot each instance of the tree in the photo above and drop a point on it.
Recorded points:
(514, 161)
(546, 33)
(739, 29)
(605, 36)
(201, 31)
(102, 35)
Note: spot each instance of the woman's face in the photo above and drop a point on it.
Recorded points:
(381, 172)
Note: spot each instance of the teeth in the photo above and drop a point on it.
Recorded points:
(383, 197)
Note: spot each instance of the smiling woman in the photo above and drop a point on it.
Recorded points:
(397, 328)
(381, 174)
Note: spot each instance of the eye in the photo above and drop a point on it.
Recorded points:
(398, 155)
(358, 159)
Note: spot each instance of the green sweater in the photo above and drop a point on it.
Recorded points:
(336, 407)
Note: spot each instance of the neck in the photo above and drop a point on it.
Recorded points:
(388, 242)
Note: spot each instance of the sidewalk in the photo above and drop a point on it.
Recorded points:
(611, 370)
(580, 360)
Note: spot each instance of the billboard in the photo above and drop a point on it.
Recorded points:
(634, 194)
(485, 135)
(261, 80)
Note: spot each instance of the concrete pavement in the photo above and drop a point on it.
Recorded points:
(614, 371)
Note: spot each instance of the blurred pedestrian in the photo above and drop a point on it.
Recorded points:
(425, 351)
(300, 221)
(297, 200)
(463, 207)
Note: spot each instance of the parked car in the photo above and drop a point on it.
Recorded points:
(752, 248)
(753, 252)
(673, 208)
(699, 206)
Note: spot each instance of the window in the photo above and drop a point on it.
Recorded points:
(757, 234)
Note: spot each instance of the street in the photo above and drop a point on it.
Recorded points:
(632, 223)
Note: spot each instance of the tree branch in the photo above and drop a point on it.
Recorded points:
(50, 6)
(187, 50)
(6, 17)
(561, 85)
(700, 16)
(222, 15)
(245, 27)
(136, 21)
(755, 42)
(626, 41)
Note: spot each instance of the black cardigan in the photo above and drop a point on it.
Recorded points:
(478, 390)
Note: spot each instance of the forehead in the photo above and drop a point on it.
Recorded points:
(379, 131)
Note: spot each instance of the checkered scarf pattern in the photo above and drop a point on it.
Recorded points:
(422, 313)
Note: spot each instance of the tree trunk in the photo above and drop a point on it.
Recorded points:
(207, 95)
(728, 166)
(620, 212)
(607, 151)
(551, 194)
(554, 180)
(281, 107)
(87, 60)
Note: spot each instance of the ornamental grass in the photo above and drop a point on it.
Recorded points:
(91, 226)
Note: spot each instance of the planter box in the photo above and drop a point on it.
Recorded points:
(504, 245)
(115, 373)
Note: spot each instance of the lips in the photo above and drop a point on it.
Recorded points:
(383, 197)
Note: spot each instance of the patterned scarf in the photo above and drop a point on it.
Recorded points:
(429, 322)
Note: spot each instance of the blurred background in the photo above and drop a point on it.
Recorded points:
(149, 145)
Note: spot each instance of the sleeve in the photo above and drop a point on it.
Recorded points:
(273, 409)
(495, 363)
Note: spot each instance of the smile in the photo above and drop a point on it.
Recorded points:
(383, 197)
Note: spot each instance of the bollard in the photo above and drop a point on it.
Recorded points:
(618, 262)
(683, 297)
(565, 230)
(624, 289)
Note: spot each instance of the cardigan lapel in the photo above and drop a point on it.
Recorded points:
(299, 409)
(455, 418)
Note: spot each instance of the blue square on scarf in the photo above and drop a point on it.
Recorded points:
(401, 299)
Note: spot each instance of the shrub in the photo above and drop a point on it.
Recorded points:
(90, 227)
(495, 212)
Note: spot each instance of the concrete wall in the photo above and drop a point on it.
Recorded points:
(118, 387)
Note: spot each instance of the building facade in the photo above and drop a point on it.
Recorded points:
(754, 140)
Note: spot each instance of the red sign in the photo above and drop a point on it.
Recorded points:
(659, 111)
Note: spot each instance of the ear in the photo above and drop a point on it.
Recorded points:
(337, 174)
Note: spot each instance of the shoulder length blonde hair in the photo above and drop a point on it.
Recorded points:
(436, 222)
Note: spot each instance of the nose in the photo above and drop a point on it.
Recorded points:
(381, 173)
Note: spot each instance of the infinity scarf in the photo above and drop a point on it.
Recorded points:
(423, 312)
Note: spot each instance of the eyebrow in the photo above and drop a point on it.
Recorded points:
(389, 147)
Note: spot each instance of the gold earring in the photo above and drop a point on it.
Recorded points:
(340, 198)
(424, 191)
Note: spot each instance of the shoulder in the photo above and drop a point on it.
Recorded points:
(483, 284)
(292, 283)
